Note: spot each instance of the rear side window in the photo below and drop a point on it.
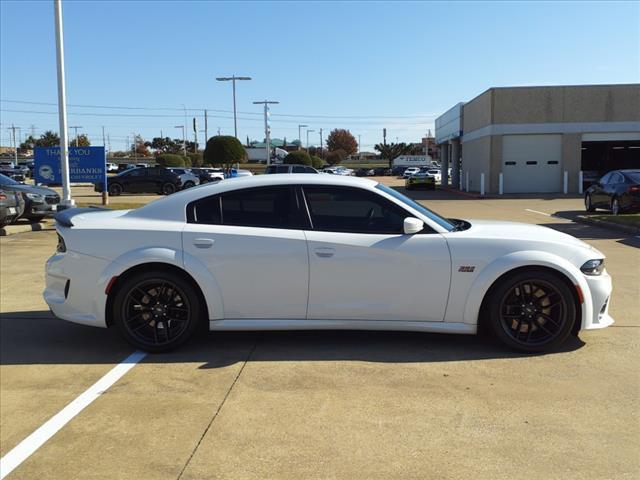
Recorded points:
(353, 210)
(272, 207)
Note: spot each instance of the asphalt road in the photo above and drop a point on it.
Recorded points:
(330, 404)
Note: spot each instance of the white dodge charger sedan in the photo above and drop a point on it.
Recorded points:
(318, 252)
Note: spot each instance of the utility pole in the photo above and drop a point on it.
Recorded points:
(308, 138)
(206, 127)
(300, 136)
(33, 131)
(67, 201)
(321, 147)
(15, 145)
(184, 138)
(135, 147)
(359, 150)
(218, 131)
(195, 135)
(233, 79)
(104, 144)
(75, 129)
(384, 136)
(267, 126)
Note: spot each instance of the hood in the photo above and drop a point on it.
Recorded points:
(23, 187)
(523, 231)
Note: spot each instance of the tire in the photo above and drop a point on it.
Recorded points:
(188, 184)
(168, 188)
(115, 189)
(156, 311)
(35, 218)
(588, 204)
(615, 206)
(531, 311)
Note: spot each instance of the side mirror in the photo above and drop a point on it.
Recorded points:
(412, 225)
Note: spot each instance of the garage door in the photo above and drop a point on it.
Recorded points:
(532, 163)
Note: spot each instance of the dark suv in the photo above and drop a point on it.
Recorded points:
(142, 180)
(285, 168)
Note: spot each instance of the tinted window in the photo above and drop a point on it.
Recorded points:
(634, 176)
(273, 207)
(282, 169)
(298, 169)
(354, 210)
(606, 178)
(616, 178)
(270, 169)
(443, 222)
(138, 172)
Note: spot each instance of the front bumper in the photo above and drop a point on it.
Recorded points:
(74, 288)
(600, 288)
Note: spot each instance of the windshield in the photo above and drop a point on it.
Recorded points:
(4, 180)
(443, 222)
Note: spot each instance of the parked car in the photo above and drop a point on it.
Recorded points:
(618, 191)
(40, 202)
(208, 174)
(434, 172)
(364, 172)
(382, 171)
(240, 173)
(112, 167)
(410, 171)
(125, 166)
(289, 168)
(187, 178)
(420, 180)
(142, 180)
(12, 172)
(11, 207)
(398, 171)
(224, 253)
(142, 165)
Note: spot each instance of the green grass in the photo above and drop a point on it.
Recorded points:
(631, 219)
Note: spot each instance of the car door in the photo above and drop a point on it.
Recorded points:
(252, 242)
(135, 180)
(362, 265)
(597, 191)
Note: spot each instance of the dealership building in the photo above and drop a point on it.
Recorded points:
(540, 139)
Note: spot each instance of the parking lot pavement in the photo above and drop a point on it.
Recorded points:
(329, 404)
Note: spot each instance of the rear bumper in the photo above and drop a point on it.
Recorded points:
(73, 290)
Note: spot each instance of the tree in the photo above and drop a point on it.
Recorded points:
(336, 156)
(170, 160)
(391, 151)
(316, 162)
(341, 139)
(299, 157)
(141, 148)
(29, 143)
(81, 141)
(167, 145)
(195, 159)
(224, 150)
(47, 139)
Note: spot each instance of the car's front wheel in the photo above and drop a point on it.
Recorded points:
(168, 188)
(588, 203)
(532, 311)
(115, 189)
(156, 311)
(615, 206)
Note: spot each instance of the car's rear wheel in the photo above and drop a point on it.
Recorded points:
(189, 184)
(115, 189)
(532, 311)
(168, 188)
(615, 206)
(588, 204)
(156, 311)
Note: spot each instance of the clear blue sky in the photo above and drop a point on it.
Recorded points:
(389, 64)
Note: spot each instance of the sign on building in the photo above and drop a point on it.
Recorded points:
(86, 165)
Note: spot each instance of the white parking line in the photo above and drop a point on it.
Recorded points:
(29, 445)
(536, 211)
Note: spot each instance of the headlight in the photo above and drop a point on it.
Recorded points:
(593, 267)
(35, 196)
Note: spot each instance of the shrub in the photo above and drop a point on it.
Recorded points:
(299, 157)
(224, 150)
(316, 162)
(335, 157)
(170, 160)
(195, 159)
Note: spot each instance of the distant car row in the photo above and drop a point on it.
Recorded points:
(617, 191)
(38, 202)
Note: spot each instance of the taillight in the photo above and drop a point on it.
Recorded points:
(3, 196)
(61, 247)
(633, 189)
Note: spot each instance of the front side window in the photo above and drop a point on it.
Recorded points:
(336, 209)
(272, 207)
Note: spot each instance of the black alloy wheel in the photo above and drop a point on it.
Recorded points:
(588, 205)
(115, 189)
(189, 184)
(615, 206)
(532, 312)
(156, 311)
(168, 188)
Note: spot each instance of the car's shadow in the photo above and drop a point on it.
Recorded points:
(36, 338)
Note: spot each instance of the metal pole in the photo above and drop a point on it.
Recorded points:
(321, 146)
(300, 136)
(235, 118)
(308, 137)
(206, 128)
(359, 150)
(135, 147)
(267, 130)
(66, 201)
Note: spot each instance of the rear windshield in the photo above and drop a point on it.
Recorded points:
(634, 176)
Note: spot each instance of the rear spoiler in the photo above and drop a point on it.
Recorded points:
(64, 217)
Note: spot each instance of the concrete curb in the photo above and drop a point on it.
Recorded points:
(605, 224)
(26, 227)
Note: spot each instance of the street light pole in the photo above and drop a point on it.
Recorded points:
(321, 155)
(233, 79)
(300, 135)
(184, 139)
(66, 201)
(75, 131)
(267, 129)
(308, 138)
(15, 145)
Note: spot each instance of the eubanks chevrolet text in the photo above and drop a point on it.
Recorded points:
(318, 252)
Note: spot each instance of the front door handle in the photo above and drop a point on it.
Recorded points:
(325, 252)
(203, 242)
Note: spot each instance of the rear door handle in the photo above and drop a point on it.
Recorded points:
(203, 242)
(325, 252)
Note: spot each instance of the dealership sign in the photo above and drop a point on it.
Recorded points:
(86, 165)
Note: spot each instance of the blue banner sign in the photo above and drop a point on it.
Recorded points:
(86, 165)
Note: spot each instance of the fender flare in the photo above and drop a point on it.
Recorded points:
(515, 260)
(177, 258)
